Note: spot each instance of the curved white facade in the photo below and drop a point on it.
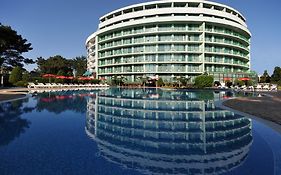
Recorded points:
(170, 38)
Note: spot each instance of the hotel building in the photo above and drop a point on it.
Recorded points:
(169, 38)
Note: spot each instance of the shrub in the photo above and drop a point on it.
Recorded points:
(26, 77)
(21, 84)
(95, 81)
(204, 81)
(239, 82)
(160, 82)
(16, 75)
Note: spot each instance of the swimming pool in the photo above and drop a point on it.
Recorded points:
(133, 131)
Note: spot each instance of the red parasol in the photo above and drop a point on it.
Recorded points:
(84, 78)
(70, 78)
(227, 79)
(61, 77)
(48, 76)
(244, 79)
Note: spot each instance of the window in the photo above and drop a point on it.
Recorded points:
(164, 5)
(179, 57)
(138, 49)
(194, 37)
(127, 59)
(165, 57)
(165, 68)
(150, 58)
(193, 47)
(117, 51)
(179, 27)
(208, 58)
(138, 29)
(127, 41)
(139, 58)
(127, 31)
(165, 27)
(118, 33)
(179, 47)
(208, 38)
(138, 68)
(150, 48)
(127, 69)
(179, 37)
(127, 50)
(150, 38)
(138, 39)
(164, 47)
(193, 57)
(193, 27)
(165, 38)
(150, 68)
(150, 28)
(180, 4)
(117, 42)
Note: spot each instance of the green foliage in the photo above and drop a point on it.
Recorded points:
(95, 81)
(59, 80)
(238, 82)
(21, 84)
(204, 81)
(61, 73)
(12, 46)
(276, 76)
(16, 75)
(53, 65)
(79, 64)
(181, 80)
(118, 80)
(205, 95)
(26, 77)
(160, 82)
(59, 65)
(265, 78)
(249, 83)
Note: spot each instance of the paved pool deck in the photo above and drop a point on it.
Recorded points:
(267, 107)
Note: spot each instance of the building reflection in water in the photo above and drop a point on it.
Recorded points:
(167, 132)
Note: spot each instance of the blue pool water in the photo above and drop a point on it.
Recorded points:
(133, 131)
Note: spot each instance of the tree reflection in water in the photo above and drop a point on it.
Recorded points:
(62, 101)
(11, 123)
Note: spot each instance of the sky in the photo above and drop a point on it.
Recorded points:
(60, 27)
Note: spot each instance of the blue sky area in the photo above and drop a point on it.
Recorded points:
(62, 26)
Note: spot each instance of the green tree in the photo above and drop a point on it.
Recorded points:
(26, 76)
(160, 82)
(239, 82)
(12, 46)
(16, 75)
(79, 64)
(118, 80)
(181, 80)
(53, 65)
(265, 78)
(202, 81)
(143, 79)
(276, 76)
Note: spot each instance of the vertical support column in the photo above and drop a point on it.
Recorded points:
(96, 114)
(204, 125)
(96, 57)
(203, 49)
